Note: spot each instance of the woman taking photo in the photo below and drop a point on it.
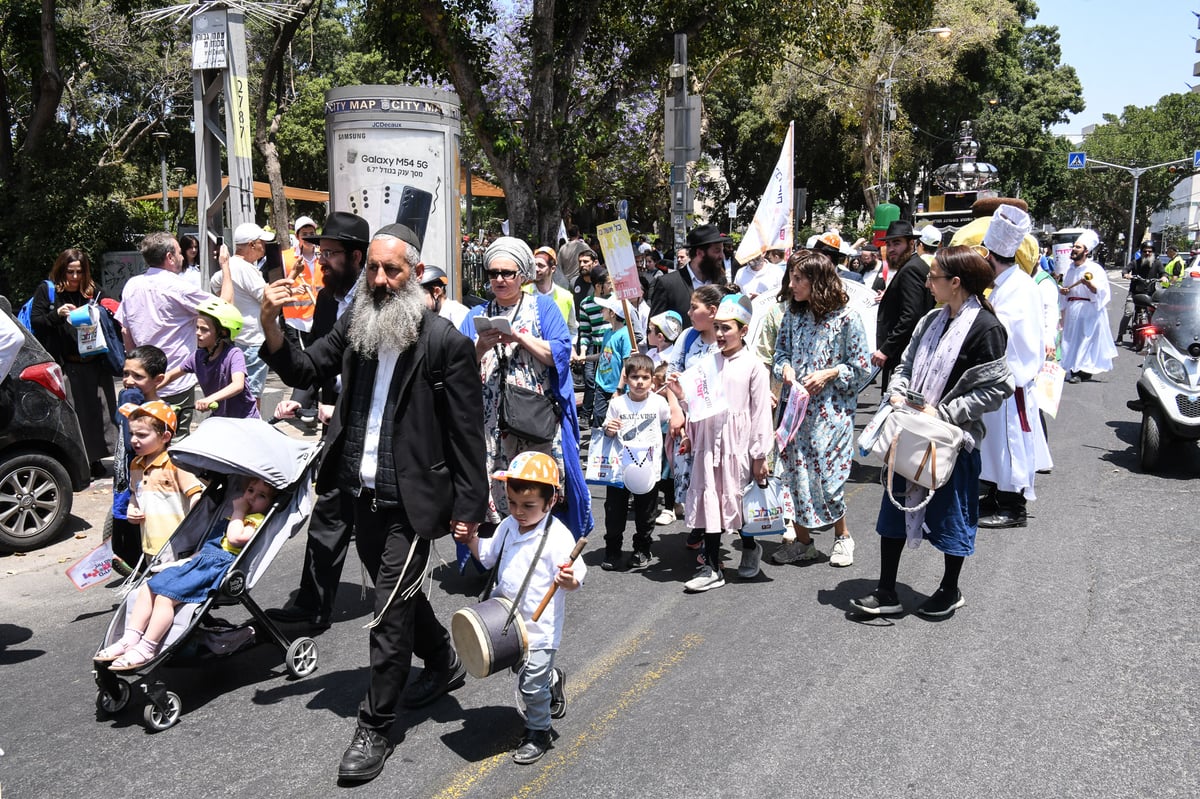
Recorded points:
(955, 362)
(822, 347)
(536, 356)
(88, 377)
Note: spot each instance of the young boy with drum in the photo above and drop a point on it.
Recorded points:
(535, 555)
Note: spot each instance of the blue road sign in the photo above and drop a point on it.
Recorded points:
(1076, 160)
(1196, 159)
(623, 209)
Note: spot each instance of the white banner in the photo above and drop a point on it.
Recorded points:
(772, 225)
(702, 389)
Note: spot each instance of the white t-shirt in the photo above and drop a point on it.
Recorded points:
(11, 341)
(641, 427)
(454, 311)
(248, 285)
(766, 280)
(515, 551)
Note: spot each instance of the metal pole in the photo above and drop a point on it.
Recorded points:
(1137, 173)
(682, 144)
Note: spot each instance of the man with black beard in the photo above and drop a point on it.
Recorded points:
(341, 252)
(673, 291)
(409, 418)
(904, 301)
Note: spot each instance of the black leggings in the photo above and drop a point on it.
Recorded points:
(890, 550)
(712, 548)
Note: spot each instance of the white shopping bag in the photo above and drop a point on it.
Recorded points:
(89, 336)
(793, 415)
(766, 510)
(1048, 387)
(604, 460)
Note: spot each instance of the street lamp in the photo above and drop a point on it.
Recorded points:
(161, 136)
(888, 113)
(180, 176)
(1137, 172)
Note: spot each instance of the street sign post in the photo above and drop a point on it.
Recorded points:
(1076, 160)
(1196, 159)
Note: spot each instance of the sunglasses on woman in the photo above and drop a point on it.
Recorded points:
(506, 274)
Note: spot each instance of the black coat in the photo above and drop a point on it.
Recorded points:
(904, 302)
(438, 451)
(672, 292)
(324, 318)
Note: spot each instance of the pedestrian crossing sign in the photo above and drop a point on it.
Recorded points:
(1076, 160)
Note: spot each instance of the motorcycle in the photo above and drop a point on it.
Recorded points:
(1169, 386)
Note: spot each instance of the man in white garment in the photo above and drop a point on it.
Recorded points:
(1009, 450)
(1087, 341)
(762, 275)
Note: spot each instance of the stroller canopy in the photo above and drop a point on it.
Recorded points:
(249, 447)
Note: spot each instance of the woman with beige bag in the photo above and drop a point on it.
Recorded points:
(953, 369)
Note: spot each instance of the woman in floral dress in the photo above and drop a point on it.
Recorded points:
(822, 346)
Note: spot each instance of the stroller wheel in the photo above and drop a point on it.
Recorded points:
(158, 720)
(301, 659)
(113, 703)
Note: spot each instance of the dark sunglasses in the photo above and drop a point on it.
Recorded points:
(507, 274)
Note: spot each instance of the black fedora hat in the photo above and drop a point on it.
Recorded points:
(343, 226)
(900, 229)
(705, 235)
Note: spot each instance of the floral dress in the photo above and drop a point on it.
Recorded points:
(523, 370)
(816, 465)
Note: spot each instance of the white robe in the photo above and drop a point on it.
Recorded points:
(1087, 341)
(1011, 455)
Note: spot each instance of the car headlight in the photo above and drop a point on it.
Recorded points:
(1174, 368)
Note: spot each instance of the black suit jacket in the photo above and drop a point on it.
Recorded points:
(437, 441)
(672, 292)
(903, 304)
(324, 318)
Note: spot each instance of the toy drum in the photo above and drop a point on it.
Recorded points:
(483, 644)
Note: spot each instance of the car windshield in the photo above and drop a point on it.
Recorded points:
(1177, 314)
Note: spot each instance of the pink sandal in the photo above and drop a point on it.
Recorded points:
(135, 657)
(114, 651)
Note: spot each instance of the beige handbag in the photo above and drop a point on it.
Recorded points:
(919, 447)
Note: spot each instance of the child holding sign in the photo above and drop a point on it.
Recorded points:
(730, 447)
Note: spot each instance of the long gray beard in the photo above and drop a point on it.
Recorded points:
(391, 322)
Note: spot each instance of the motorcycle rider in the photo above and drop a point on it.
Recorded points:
(1143, 275)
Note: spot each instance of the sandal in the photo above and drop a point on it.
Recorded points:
(132, 660)
(110, 653)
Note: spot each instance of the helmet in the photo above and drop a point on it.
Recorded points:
(227, 315)
(534, 467)
(433, 274)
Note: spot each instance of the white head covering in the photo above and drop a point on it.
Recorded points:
(1090, 239)
(515, 250)
(1007, 230)
(735, 307)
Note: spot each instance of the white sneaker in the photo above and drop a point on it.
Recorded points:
(665, 516)
(796, 552)
(707, 578)
(751, 563)
(842, 553)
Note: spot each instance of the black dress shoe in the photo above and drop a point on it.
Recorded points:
(558, 694)
(364, 758)
(434, 683)
(1002, 519)
(297, 615)
(533, 745)
(1073, 377)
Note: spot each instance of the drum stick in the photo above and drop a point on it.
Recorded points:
(579, 545)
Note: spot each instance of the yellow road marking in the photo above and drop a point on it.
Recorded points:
(466, 779)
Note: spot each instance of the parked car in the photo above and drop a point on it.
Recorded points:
(42, 457)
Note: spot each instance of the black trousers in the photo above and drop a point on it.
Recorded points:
(409, 627)
(616, 508)
(328, 540)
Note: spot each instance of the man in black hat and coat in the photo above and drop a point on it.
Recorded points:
(341, 251)
(904, 301)
(673, 291)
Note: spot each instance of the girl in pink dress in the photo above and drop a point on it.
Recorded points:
(731, 447)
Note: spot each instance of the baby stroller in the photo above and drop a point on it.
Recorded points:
(223, 451)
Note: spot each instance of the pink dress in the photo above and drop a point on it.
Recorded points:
(725, 444)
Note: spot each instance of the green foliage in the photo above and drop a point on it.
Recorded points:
(1141, 137)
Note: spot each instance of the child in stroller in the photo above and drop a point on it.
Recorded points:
(187, 580)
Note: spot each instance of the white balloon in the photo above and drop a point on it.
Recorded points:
(640, 479)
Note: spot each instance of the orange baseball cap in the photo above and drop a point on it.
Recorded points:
(155, 408)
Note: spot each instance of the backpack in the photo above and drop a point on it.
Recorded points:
(25, 314)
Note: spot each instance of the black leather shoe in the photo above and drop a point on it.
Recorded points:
(533, 745)
(558, 694)
(295, 614)
(1002, 519)
(1073, 377)
(364, 758)
(433, 683)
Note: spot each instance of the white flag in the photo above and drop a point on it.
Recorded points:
(562, 233)
(772, 225)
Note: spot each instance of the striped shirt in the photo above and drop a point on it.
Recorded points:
(592, 326)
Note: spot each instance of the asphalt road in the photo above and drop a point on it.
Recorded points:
(1071, 671)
